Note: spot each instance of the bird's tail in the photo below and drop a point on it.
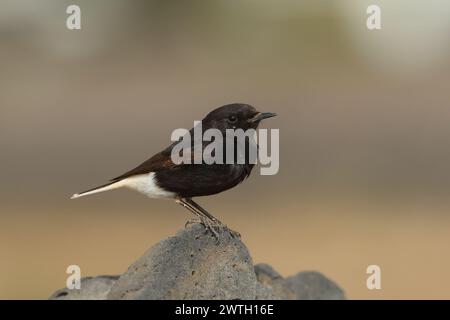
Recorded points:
(106, 187)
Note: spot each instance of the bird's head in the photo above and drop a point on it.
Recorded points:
(235, 116)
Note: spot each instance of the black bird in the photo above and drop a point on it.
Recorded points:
(160, 177)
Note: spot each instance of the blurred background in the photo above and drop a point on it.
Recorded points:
(364, 126)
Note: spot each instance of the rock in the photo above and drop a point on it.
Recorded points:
(308, 285)
(96, 288)
(194, 265)
(312, 285)
(264, 292)
(190, 265)
(267, 276)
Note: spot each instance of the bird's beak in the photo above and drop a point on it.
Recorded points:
(262, 115)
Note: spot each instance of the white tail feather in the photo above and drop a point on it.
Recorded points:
(112, 186)
(143, 183)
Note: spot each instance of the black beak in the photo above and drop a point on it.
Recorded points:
(262, 115)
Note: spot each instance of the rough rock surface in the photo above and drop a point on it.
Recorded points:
(312, 285)
(190, 265)
(307, 285)
(193, 265)
(91, 288)
(269, 278)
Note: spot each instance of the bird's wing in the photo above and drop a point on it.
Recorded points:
(158, 162)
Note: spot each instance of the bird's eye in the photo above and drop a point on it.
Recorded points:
(232, 119)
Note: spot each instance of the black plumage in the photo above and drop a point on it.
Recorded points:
(187, 180)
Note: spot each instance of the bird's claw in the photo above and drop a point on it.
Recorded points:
(216, 228)
(192, 221)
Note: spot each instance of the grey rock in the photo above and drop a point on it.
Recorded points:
(96, 288)
(264, 292)
(268, 277)
(265, 273)
(193, 265)
(190, 265)
(312, 285)
(308, 285)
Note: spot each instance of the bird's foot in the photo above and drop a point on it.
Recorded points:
(234, 234)
(217, 228)
(193, 221)
(214, 228)
(208, 224)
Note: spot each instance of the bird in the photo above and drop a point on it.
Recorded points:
(161, 178)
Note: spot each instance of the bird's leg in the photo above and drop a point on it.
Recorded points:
(204, 220)
(213, 219)
(203, 211)
(197, 214)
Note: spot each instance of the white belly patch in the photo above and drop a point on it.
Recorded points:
(146, 184)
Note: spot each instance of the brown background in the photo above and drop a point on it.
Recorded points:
(363, 117)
